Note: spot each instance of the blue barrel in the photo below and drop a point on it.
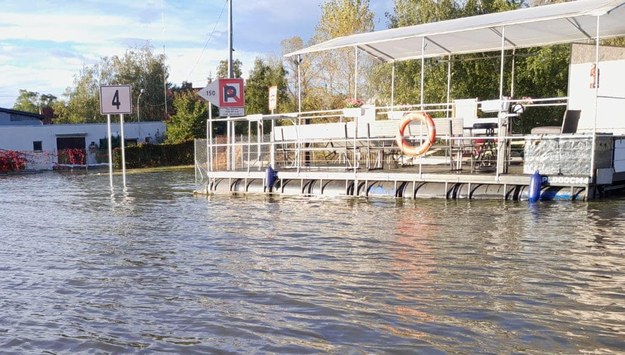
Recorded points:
(535, 184)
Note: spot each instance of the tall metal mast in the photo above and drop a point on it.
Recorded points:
(230, 50)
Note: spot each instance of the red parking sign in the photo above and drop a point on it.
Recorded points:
(231, 91)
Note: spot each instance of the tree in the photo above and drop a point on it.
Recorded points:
(341, 18)
(263, 76)
(142, 69)
(299, 72)
(82, 104)
(473, 75)
(30, 101)
(138, 67)
(189, 120)
(222, 69)
(27, 101)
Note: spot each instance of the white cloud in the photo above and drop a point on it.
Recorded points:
(43, 47)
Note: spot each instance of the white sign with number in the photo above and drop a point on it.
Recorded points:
(115, 99)
(211, 93)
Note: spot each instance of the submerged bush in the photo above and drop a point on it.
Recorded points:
(155, 155)
(11, 160)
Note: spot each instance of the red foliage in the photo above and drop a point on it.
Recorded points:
(72, 156)
(11, 161)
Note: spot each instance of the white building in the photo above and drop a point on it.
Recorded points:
(42, 143)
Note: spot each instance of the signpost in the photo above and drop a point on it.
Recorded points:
(116, 100)
(273, 98)
(229, 96)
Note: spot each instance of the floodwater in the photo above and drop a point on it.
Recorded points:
(157, 269)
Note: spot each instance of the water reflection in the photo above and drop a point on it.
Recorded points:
(87, 269)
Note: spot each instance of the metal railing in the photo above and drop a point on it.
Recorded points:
(328, 140)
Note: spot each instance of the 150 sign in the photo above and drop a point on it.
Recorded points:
(115, 99)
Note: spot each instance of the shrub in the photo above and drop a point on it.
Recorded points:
(11, 160)
(155, 155)
(74, 156)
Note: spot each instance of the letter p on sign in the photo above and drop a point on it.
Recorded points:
(231, 93)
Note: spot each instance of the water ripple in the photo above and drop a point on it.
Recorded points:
(156, 269)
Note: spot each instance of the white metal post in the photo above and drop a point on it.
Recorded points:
(355, 72)
(233, 145)
(393, 87)
(110, 149)
(594, 125)
(249, 144)
(228, 144)
(299, 84)
(259, 140)
(422, 71)
(513, 72)
(502, 120)
(209, 143)
(272, 154)
(121, 130)
(501, 66)
(448, 85)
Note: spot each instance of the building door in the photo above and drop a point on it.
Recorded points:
(71, 150)
(70, 143)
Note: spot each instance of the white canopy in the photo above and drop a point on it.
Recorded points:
(529, 27)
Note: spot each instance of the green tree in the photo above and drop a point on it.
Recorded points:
(264, 75)
(341, 18)
(27, 101)
(82, 100)
(143, 69)
(473, 75)
(30, 101)
(189, 118)
(222, 69)
(138, 67)
(299, 72)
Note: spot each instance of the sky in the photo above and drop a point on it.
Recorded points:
(45, 43)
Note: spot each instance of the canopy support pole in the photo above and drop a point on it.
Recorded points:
(502, 64)
(448, 85)
(513, 72)
(422, 70)
(355, 72)
(502, 129)
(393, 87)
(299, 84)
(594, 125)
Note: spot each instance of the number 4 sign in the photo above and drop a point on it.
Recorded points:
(115, 99)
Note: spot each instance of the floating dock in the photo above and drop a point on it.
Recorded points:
(460, 149)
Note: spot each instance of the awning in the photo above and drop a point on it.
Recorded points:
(529, 27)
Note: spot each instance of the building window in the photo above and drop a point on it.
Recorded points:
(37, 146)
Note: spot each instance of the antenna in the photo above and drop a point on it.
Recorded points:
(164, 66)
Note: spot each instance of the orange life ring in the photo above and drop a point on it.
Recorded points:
(408, 148)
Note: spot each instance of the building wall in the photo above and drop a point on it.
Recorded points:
(22, 138)
(610, 102)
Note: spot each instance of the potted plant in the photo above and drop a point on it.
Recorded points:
(353, 108)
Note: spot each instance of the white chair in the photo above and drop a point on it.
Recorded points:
(467, 110)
